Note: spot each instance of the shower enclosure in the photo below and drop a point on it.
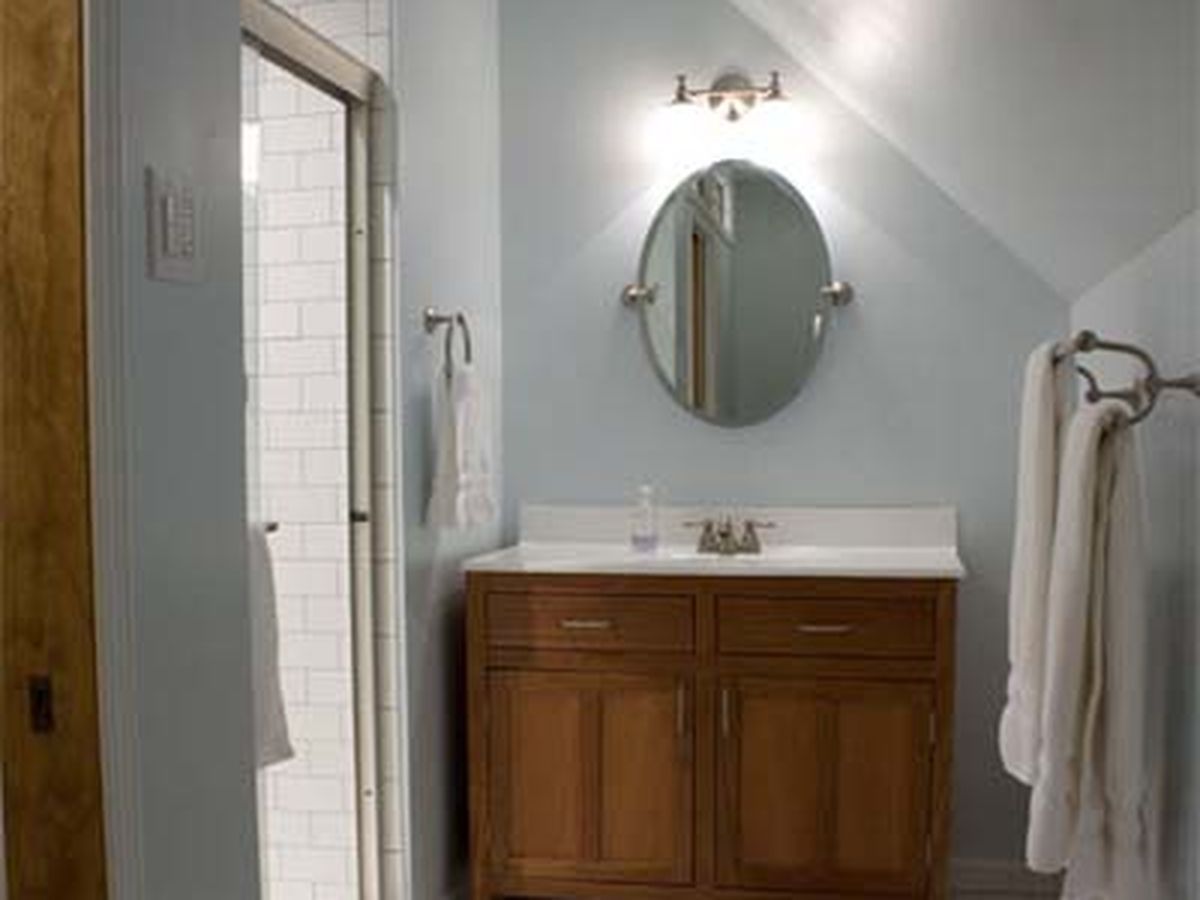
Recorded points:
(308, 315)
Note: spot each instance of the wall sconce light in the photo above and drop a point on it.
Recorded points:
(732, 96)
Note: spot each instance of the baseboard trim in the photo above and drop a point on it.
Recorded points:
(1000, 878)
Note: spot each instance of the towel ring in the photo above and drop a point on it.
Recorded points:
(435, 320)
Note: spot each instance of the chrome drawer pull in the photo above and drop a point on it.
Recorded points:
(586, 624)
(825, 629)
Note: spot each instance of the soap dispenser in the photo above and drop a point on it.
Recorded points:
(644, 531)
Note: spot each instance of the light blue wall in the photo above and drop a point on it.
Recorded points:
(448, 209)
(913, 402)
(1152, 301)
(179, 97)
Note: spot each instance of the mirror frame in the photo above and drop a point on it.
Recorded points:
(642, 296)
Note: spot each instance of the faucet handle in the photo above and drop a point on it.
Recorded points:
(750, 542)
(708, 542)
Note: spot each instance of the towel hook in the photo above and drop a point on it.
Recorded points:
(435, 320)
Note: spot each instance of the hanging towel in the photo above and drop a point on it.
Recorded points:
(272, 741)
(1044, 408)
(463, 494)
(1092, 810)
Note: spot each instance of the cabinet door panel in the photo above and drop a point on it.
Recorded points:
(539, 767)
(592, 776)
(773, 800)
(645, 814)
(882, 777)
(825, 785)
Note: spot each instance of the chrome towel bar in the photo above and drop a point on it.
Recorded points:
(1143, 395)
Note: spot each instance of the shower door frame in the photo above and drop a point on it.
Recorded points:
(290, 44)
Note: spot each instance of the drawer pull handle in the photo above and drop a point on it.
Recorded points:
(825, 630)
(586, 624)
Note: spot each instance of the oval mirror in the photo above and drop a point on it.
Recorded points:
(734, 290)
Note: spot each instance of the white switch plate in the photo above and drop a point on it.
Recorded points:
(174, 228)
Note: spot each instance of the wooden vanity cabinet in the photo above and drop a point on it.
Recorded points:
(679, 737)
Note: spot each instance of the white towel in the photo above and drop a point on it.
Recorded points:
(463, 494)
(271, 738)
(1045, 405)
(1092, 806)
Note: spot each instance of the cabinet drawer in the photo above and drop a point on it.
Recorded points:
(650, 623)
(812, 626)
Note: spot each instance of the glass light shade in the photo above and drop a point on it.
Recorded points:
(679, 136)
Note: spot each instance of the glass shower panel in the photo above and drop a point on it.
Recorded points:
(294, 175)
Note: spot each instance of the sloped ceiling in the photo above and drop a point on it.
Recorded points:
(1066, 127)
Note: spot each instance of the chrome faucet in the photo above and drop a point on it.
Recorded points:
(719, 536)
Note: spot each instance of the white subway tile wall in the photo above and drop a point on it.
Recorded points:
(296, 282)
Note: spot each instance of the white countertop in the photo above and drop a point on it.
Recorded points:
(910, 542)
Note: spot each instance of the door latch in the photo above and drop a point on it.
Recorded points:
(41, 704)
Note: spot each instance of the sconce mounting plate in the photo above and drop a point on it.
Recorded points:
(733, 95)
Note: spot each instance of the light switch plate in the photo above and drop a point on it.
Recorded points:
(174, 227)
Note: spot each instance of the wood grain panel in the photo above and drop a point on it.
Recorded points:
(588, 622)
(53, 802)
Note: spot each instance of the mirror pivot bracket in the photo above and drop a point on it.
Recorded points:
(839, 293)
(637, 294)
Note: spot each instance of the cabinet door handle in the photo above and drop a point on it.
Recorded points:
(681, 710)
(725, 712)
(809, 628)
(586, 624)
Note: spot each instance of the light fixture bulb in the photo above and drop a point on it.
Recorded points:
(678, 137)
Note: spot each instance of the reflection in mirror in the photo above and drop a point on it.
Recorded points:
(733, 294)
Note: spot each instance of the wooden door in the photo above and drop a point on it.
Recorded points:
(823, 785)
(52, 787)
(591, 776)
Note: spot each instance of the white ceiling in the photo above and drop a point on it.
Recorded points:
(1067, 127)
